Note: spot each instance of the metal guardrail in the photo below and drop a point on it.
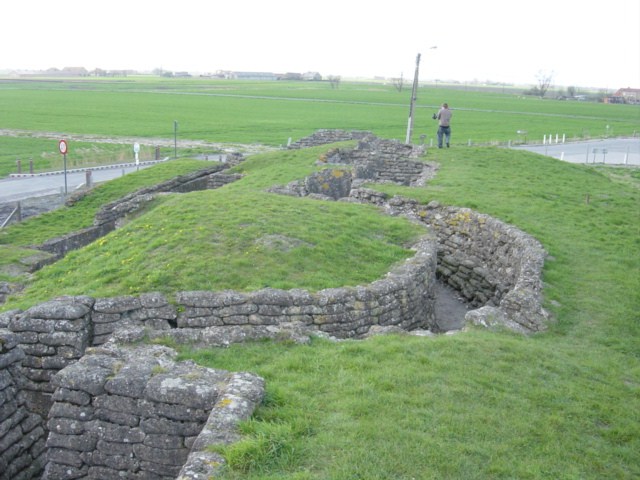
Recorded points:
(16, 211)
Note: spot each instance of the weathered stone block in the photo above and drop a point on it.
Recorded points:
(63, 309)
(118, 434)
(235, 320)
(130, 381)
(56, 471)
(172, 411)
(64, 456)
(77, 376)
(199, 390)
(73, 412)
(24, 323)
(64, 338)
(162, 456)
(117, 403)
(118, 418)
(200, 299)
(170, 427)
(67, 426)
(115, 448)
(117, 463)
(100, 317)
(272, 297)
(185, 321)
(75, 397)
(153, 300)
(117, 304)
(237, 310)
(27, 338)
(12, 356)
(155, 471)
(167, 442)
(85, 442)
(167, 312)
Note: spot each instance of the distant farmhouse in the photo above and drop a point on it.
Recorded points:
(228, 74)
(251, 76)
(625, 95)
(267, 76)
(71, 72)
(67, 72)
(312, 76)
(307, 77)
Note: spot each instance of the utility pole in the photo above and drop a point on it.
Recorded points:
(414, 95)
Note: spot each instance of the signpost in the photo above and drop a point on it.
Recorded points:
(175, 139)
(136, 150)
(63, 147)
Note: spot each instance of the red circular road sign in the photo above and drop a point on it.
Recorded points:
(62, 145)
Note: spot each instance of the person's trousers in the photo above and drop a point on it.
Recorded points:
(444, 132)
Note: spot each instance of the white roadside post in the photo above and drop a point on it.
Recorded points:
(136, 150)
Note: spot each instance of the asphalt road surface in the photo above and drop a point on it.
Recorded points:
(17, 188)
(613, 151)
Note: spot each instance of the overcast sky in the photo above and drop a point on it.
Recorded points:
(584, 44)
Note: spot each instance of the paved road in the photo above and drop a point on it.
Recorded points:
(20, 187)
(615, 151)
(17, 188)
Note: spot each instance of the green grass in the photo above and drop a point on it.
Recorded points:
(236, 237)
(15, 262)
(564, 404)
(15, 240)
(36, 230)
(213, 241)
(270, 113)
(473, 406)
(589, 224)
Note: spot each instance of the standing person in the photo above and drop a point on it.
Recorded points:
(444, 129)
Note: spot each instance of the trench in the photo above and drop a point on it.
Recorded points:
(450, 308)
(448, 304)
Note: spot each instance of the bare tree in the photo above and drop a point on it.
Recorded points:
(544, 82)
(398, 83)
(334, 80)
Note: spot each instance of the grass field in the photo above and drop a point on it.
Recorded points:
(270, 113)
(564, 404)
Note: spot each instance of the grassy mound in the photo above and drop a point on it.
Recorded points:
(477, 405)
(237, 237)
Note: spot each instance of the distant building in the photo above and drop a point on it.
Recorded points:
(74, 72)
(259, 76)
(625, 95)
(312, 76)
(99, 72)
(67, 72)
(290, 76)
(252, 75)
